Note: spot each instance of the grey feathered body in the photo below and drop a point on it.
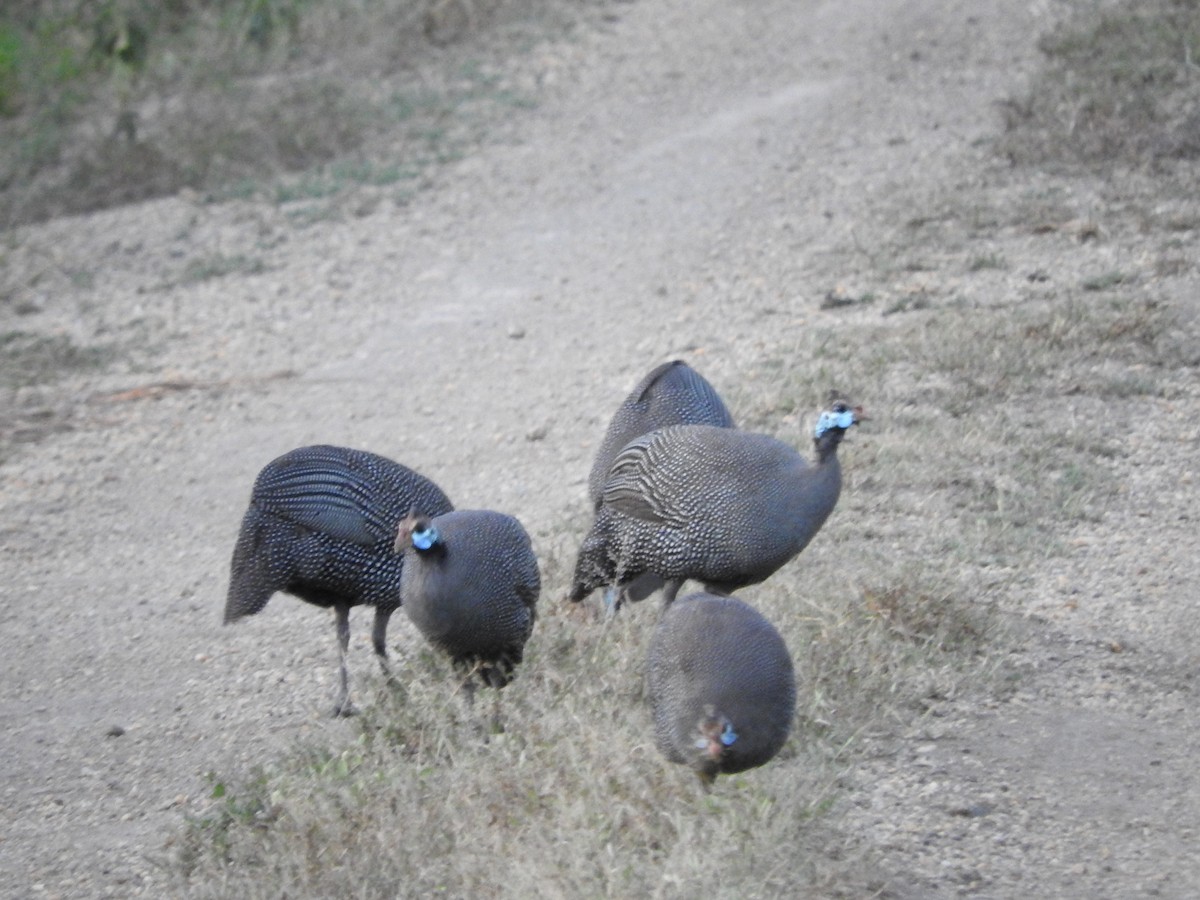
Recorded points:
(321, 524)
(474, 593)
(671, 394)
(717, 654)
(724, 507)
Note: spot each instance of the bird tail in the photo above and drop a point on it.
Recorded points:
(592, 568)
(250, 581)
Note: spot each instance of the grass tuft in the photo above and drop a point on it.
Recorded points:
(1119, 86)
(28, 358)
(122, 101)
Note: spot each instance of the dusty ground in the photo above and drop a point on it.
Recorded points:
(691, 170)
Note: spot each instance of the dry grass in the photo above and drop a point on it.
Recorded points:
(959, 484)
(122, 100)
(1120, 88)
(982, 455)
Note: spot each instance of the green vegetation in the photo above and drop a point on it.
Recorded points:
(123, 100)
(219, 265)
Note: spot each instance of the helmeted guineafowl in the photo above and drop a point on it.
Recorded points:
(721, 685)
(321, 524)
(470, 585)
(671, 394)
(724, 507)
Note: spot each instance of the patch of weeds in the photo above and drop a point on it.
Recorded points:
(337, 178)
(934, 620)
(11, 47)
(408, 105)
(908, 303)
(999, 357)
(214, 834)
(1126, 384)
(27, 358)
(83, 279)
(310, 187)
(218, 265)
(1117, 85)
(839, 297)
(123, 100)
(894, 643)
(238, 189)
(370, 173)
(1105, 281)
(986, 261)
(312, 213)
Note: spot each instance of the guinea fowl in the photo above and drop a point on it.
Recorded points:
(724, 507)
(671, 394)
(721, 685)
(470, 585)
(320, 526)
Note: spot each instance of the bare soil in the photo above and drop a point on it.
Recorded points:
(696, 179)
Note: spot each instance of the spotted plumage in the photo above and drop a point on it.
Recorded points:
(721, 685)
(724, 507)
(470, 585)
(670, 394)
(320, 526)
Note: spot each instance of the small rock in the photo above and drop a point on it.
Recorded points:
(516, 332)
(115, 731)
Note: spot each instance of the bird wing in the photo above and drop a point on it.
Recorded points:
(704, 404)
(330, 495)
(640, 481)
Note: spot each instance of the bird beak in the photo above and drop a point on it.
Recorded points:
(860, 414)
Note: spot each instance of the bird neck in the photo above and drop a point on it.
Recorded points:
(436, 550)
(826, 445)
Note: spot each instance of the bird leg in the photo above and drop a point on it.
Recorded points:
(379, 639)
(497, 726)
(613, 597)
(467, 686)
(342, 706)
(670, 589)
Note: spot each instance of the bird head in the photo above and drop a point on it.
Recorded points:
(416, 531)
(839, 416)
(715, 735)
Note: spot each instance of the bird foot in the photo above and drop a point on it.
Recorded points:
(343, 709)
(612, 599)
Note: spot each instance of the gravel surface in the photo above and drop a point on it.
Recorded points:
(690, 170)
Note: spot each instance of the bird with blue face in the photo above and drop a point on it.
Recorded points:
(721, 685)
(721, 506)
(470, 584)
(670, 394)
(320, 527)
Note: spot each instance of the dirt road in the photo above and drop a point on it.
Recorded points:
(691, 170)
